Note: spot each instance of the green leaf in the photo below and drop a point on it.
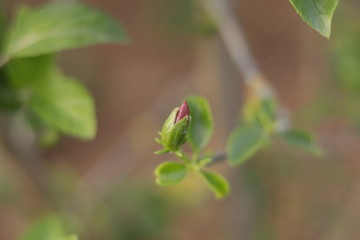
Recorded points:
(161, 151)
(217, 183)
(301, 140)
(243, 143)
(169, 173)
(48, 137)
(201, 125)
(29, 72)
(47, 228)
(346, 50)
(65, 104)
(261, 112)
(9, 98)
(59, 26)
(316, 13)
(59, 103)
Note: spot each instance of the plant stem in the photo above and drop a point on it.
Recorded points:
(217, 158)
(233, 38)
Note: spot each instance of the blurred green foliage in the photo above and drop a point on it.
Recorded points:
(133, 212)
(346, 49)
(49, 227)
(33, 84)
(187, 18)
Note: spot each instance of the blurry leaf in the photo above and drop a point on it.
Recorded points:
(205, 161)
(9, 99)
(201, 125)
(59, 26)
(31, 71)
(46, 228)
(65, 104)
(48, 137)
(316, 13)
(170, 173)
(260, 112)
(217, 183)
(187, 17)
(57, 101)
(301, 140)
(244, 142)
(346, 50)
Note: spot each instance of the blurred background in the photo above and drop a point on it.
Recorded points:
(105, 188)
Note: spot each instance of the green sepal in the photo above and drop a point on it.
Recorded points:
(158, 140)
(161, 151)
(173, 135)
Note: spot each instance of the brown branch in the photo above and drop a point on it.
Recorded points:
(217, 159)
(232, 36)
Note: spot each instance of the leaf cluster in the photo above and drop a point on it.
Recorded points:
(33, 84)
(260, 126)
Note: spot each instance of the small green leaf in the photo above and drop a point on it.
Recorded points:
(217, 183)
(204, 161)
(46, 228)
(161, 151)
(59, 26)
(244, 142)
(301, 140)
(316, 13)
(169, 173)
(261, 112)
(201, 125)
(65, 104)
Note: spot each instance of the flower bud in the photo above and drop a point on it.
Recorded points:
(174, 131)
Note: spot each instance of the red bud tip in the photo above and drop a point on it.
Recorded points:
(183, 112)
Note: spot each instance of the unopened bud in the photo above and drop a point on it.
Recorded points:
(174, 131)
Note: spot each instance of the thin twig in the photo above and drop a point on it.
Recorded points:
(233, 38)
(217, 158)
(231, 34)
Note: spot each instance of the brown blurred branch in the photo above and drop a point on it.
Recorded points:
(23, 156)
(217, 158)
(231, 33)
(233, 38)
